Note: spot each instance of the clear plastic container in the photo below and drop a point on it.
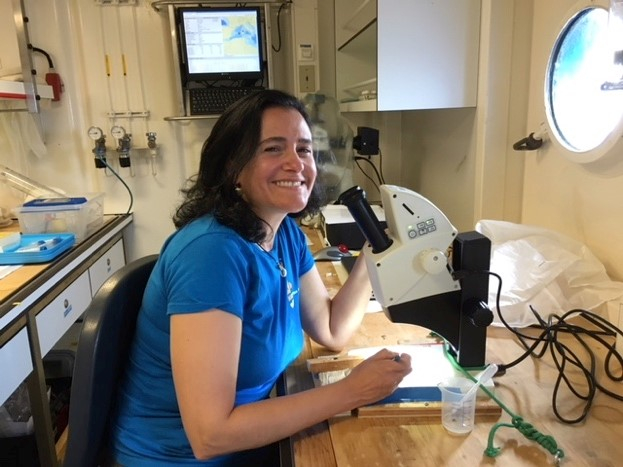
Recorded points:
(80, 219)
(458, 408)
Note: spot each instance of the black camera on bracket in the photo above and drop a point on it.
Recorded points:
(366, 142)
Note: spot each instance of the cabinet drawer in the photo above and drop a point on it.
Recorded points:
(16, 364)
(56, 318)
(102, 269)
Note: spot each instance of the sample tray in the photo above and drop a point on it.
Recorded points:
(38, 248)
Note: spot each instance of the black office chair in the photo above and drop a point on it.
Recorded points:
(107, 331)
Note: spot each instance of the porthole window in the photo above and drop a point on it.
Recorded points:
(584, 87)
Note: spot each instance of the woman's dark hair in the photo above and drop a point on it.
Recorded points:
(232, 144)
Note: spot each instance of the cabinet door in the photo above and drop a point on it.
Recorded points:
(102, 269)
(16, 364)
(427, 53)
(355, 55)
(56, 318)
(352, 17)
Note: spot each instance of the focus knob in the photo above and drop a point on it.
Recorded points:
(479, 314)
(433, 261)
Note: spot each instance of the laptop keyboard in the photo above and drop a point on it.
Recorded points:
(213, 101)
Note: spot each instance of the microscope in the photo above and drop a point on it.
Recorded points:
(425, 273)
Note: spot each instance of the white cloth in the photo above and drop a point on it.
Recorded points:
(543, 269)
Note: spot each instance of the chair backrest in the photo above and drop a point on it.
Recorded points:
(108, 329)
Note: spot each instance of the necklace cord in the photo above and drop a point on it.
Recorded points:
(279, 262)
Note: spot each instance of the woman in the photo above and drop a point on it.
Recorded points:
(227, 303)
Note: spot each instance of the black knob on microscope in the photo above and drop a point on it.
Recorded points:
(479, 314)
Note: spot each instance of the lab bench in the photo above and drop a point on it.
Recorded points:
(38, 305)
(395, 440)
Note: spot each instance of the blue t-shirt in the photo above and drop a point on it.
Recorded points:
(205, 266)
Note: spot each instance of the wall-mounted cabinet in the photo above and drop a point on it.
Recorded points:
(352, 17)
(406, 54)
(356, 54)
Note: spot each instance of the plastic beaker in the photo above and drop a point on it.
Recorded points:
(457, 411)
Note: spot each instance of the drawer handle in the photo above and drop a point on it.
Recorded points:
(67, 307)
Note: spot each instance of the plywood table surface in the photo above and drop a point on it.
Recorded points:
(526, 390)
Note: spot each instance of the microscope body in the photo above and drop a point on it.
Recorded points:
(425, 273)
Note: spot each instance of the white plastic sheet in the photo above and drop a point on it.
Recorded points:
(543, 269)
(19, 137)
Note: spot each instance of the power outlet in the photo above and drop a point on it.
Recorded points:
(307, 78)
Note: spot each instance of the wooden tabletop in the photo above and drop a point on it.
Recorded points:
(21, 282)
(20, 276)
(526, 390)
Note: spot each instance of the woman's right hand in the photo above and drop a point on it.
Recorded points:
(378, 376)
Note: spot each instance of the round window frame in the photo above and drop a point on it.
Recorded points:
(612, 144)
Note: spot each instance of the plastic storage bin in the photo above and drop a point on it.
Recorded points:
(78, 216)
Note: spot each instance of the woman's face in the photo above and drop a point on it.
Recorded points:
(279, 179)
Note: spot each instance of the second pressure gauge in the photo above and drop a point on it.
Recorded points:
(118, 131)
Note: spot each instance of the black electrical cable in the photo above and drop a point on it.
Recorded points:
(278, 49)
(378, 175)
(602, 332)
(105, 162)
(47, 56)
(381, 166)
(365, 174)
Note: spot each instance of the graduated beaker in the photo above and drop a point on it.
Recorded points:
(457, 411)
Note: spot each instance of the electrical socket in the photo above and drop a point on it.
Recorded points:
(307, 78)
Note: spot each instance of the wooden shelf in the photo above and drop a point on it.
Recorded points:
(368, 105)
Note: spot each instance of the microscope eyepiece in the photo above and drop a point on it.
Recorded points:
(355, 200)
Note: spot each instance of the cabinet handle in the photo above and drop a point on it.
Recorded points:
(66, 307)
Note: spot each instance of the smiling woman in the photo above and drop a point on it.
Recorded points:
(584, 85)
(279, 179)
(229, 300)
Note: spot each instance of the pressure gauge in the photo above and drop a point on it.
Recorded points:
(95, 133)
(118, 131)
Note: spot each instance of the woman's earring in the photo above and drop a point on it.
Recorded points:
(238, 189)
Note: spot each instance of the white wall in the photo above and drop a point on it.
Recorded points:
(9, 57)
(461, 159)
(79, 35)
(559, 194)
